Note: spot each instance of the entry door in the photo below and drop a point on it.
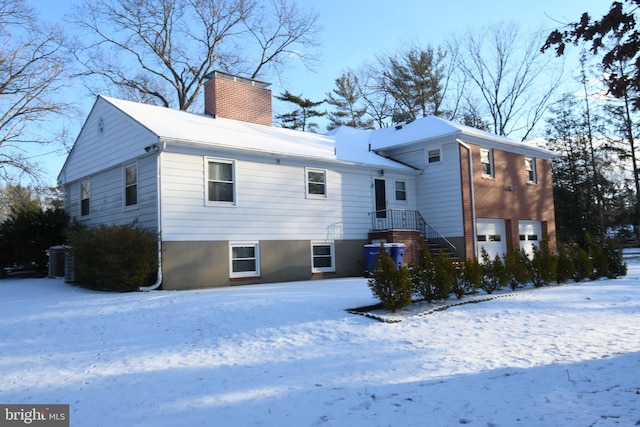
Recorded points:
(381, 198)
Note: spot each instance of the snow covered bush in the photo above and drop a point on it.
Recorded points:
(115, 257)
(390, 284)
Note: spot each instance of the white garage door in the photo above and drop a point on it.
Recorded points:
(530, 235)
(491, 236)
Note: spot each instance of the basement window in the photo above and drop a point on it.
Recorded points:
(245, 259)
(323, 258)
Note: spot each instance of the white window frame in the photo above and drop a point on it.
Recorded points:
(395, 190)
(489, 152)
(126, 186)
(208, 202)
(332, 256)
(530, 168)
(256, 257)
(429, 156)
(307, 182)
(82, 198)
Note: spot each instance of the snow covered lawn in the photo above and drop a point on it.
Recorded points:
(290, 355)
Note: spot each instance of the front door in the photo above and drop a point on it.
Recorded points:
(381, 198)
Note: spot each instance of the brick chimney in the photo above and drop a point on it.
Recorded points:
(237, 98)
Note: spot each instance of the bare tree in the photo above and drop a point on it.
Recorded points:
(31, 66)
(159, 51)
(510, 76)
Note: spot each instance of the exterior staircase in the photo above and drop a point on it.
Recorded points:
(408, 227)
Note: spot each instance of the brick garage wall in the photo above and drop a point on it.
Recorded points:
(238, 99)
(507, 195)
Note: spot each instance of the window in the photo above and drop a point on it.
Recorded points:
(131, 185)
(220, 186)
(433, 156)
(530, 166)
(316, 183)
(245, 260)
(322, 257)
(401, 190)
(486, 158)
(85, 194)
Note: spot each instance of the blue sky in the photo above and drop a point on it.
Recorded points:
(355, 31)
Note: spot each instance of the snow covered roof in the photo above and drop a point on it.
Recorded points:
(432, 127)
(176, 125)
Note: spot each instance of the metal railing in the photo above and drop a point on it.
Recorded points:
(402, 219)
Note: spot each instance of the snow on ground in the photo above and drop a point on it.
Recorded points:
(290, 355)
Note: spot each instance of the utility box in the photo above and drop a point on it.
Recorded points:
(395, 250)
(57, 261)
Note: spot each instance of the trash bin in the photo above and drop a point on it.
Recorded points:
(395, 250)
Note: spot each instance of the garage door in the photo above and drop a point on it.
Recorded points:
(491, 236)
(530, 235)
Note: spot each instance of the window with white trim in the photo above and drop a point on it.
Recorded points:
(220, 181)
(244, 259)
(322, 257)
(401, 190)
(433, 156)
(486, 158)
(530, 167)
(85, 197)
(316, 183)
(131, 185)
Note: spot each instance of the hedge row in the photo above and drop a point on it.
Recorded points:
(432, 278)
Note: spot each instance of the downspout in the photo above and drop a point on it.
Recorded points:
(473, 198)
(158, 282)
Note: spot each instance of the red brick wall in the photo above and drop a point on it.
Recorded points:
(238, 100)
(507, 195)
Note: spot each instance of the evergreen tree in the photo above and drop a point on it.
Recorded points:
(347, 101)
(299, 118)
(414, 80)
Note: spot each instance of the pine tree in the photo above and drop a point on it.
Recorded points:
(346, 98)
(299, 118)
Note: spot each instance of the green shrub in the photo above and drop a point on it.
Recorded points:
(116, 257)
(613, 252)
(516, 266)
(581, 262)
(468, 278)
(493, 273)
(444, 275)
(422, 273)
(598, 258)
(566, 268)
(543, 265)
(391, 285)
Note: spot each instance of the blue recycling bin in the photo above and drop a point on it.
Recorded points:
(395, 250)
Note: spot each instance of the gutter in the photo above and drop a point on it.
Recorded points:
(158, 282)
(473, 198)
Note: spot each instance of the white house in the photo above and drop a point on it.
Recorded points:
(237, 201)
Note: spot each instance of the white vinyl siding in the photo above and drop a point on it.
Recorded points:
(442, 209)
(270, 202)
(322, 257)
